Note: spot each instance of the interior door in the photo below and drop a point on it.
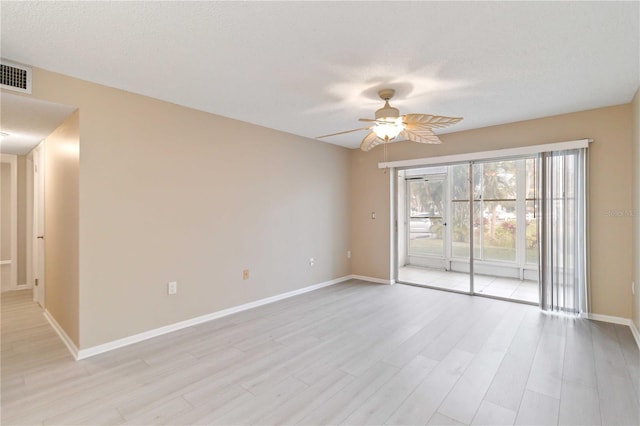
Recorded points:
(38, 225)
(426, 210)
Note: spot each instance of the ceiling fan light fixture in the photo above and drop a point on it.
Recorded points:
(388, 128)
(387, 112)
(388, 124)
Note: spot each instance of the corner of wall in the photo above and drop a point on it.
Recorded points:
(61, 219)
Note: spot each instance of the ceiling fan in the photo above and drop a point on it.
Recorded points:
(389, 125)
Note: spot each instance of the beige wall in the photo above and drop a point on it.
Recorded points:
(22, 219)
(169, 193)
(61, 225)
(636, 206)
(610, 178)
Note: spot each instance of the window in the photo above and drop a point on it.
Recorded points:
(504, 204)
(531, 224)
(498, 207)
(495, 213)
(460, 211)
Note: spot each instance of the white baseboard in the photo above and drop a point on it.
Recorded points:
(636, 333)
(609, 319)
(63, 335)
(373, 280)
(618, 320)
(115, 344)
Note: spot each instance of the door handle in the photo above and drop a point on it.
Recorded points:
(41, 237)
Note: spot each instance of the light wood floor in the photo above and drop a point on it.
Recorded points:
(353, 353)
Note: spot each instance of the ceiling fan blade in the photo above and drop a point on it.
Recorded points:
(431, 121)
(342, 133)
(419, 129)
(421, 135)
(370, 141)
(378, 120)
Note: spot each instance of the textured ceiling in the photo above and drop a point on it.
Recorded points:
(312, 68)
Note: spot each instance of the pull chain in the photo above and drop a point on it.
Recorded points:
(384, 146)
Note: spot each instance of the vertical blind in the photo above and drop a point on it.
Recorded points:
(562, 231)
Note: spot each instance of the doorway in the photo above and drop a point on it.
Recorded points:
(426, 219)
(470, 227)
(36, 222)
(26, 123)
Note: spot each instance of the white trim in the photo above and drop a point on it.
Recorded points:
(63, 335)
(617, 320)
(635, 332)
(38, 222)
(115, 344)
(5, 262)
(373, 280)
(483, 155)
(392, 225)
(609, 319)
(29, 219)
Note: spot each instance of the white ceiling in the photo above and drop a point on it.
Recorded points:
(28, 121)
(312, 68)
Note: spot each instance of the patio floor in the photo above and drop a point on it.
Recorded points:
(510, 288)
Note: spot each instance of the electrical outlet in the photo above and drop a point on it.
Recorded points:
(245, 274)
(349, 254)
(172, 287)
(312, 261)
(373, 215)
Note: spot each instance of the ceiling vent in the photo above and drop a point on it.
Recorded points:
(15, 77)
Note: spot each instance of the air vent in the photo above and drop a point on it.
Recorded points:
(15, 77)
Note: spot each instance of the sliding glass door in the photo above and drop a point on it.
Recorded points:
(445, 210)
(506, 261)
(510, 228)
